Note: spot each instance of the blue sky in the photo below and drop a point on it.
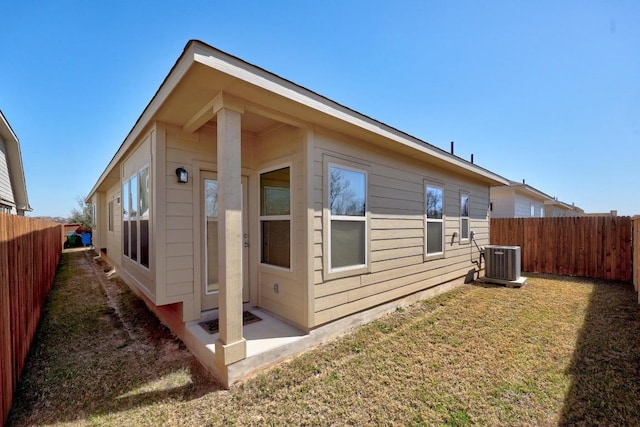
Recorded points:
(547, 91)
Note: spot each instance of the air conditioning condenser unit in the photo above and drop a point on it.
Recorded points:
(502, 265)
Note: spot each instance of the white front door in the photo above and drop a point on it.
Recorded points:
(210, 288)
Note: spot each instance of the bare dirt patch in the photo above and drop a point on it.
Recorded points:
(99, 351)
(559, 351)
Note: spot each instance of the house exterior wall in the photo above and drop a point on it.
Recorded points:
(178, 265)
(114, 237)
(138, 158)
(6, 190)
(99, 220)
(526, 207)
(512, 203)
(537, 209)
(304, 295)
(503, 203)
(398, 266)
(282, 125)
(284, 147)
(558, 211)
(180, 257)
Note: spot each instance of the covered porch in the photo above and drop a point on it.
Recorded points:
(247, 272)
(270, 340)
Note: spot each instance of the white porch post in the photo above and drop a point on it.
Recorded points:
(231, 345)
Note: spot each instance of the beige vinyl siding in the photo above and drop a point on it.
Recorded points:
(181, 151)
(181, 262)
(114, 238)
(396, 242)
(6, 191)
(283, 147)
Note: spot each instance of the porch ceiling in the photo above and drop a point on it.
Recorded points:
(199, 86)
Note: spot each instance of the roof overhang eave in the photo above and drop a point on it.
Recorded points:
(315, 107)
(176, 73)
(331, 110)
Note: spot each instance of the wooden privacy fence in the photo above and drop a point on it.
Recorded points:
(636, 254)
(587, 246)
(29, 254)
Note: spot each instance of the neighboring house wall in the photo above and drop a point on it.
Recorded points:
(522, 207)
(526, 207)
(502, 203)
(559, 211)
(13, 188)
(523, 201)
(7, 202)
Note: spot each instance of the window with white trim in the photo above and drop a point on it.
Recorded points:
(143, 215)
(347, 218)
(275, 217)
(434, 220)
(125, 217)
(464, 216)
(135, 217)
(110, 215)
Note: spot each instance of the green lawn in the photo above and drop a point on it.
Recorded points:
(557, 351)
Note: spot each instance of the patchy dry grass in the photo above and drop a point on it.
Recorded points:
(557, 351)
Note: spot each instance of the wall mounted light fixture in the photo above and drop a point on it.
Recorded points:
(183, 175)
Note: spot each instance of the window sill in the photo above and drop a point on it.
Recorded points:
(339, 274)
(433, 257)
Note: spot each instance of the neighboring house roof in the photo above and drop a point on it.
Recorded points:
(14, 163)
(562, 205)
(202, 72)
(533, 193)
(526, 190)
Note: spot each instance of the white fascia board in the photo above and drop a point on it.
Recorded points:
(563, 205)
(529, 190)
(266, 80)
(5, 129)
(537, 193)
(168, 85)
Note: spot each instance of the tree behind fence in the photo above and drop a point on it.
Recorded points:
(597, 247)
(29, 254)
